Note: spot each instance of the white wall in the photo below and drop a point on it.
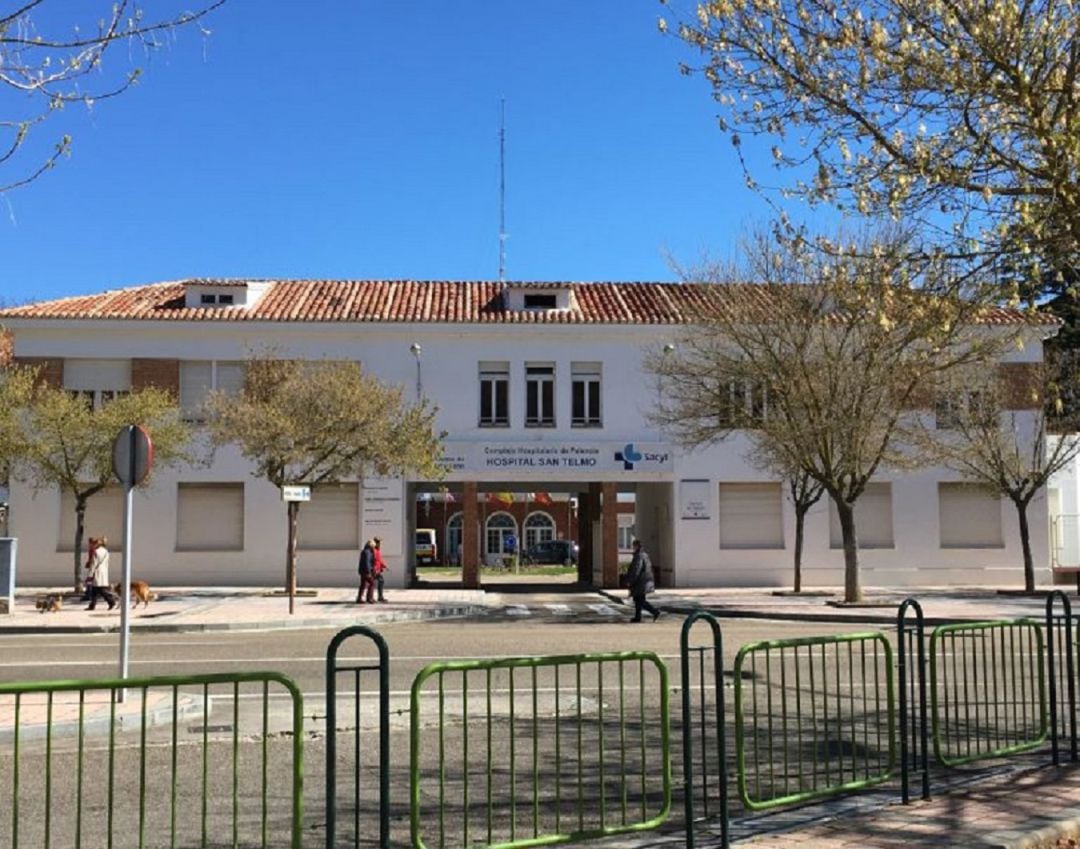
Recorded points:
(449, 371)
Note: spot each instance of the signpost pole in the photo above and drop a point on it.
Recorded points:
(125, 589)
(133, 456)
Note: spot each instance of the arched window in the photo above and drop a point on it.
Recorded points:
(453, 537)
(539, 527)
(499, 527)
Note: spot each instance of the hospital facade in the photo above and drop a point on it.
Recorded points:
(542, 391)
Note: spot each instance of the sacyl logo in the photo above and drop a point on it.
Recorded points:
(628, 456)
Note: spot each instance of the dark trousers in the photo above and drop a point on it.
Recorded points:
(378, 587)
(642, 603)
(97, 592)
(367, 588)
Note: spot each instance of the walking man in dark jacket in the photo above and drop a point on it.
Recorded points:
(641, 582)
(367, 574)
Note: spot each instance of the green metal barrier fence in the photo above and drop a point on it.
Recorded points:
(377, 721)
(987, 690)
(171, 761)
(704, 752)
(914, 723)
(1061, 675)
(538, 750)
(814, 717)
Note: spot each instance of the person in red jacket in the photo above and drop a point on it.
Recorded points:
(380, 567)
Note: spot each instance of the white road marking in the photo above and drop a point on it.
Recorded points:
(559, 609)
(604, 609)
(518, 610)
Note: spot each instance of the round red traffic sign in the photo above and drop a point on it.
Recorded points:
(133, 455)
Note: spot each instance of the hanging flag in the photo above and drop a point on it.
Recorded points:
(542, 498)
(503, 499)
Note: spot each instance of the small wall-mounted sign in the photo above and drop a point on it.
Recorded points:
(694, 499)
(296, 493)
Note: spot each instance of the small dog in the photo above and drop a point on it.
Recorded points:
(51, 603)
(140, 591)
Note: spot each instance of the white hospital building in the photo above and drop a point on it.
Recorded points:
(541, 389)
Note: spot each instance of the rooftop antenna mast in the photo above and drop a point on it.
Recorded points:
(502, 191)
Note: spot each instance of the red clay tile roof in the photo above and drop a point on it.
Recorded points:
(409, 301)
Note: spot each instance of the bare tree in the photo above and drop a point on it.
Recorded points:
(319, 423)
(1006, 434)
(804, 492)
(821, 363)
(964, 115)
(51, 66)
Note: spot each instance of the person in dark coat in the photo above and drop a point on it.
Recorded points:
(639, 578)
(365, 594)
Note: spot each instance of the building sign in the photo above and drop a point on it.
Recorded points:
(694, 499)
(548, 457)
(295, 493)
(383, 513)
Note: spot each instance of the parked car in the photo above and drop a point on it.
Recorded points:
(558, 551)
(426, 550)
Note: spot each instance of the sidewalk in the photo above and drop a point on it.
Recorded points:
(194, 609)
(264, 608)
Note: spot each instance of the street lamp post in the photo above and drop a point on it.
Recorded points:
(416, 350)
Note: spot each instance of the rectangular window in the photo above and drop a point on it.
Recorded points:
(331, 520)
(198, 378)
(97, 381)
(969, 516)
(539, 395)
(541, 302)
(494, 394)
(873, 518)
(751, 515)
(962, 409)
(741, 404)
(104, 517)
(585, 395)
(210, 517)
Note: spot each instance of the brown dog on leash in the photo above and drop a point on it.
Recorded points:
(51, 603)
(140, 591)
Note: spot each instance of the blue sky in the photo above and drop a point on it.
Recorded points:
(345, 138)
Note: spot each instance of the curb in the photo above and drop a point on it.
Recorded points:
(825, 614)
(187, 707)
(442, 612)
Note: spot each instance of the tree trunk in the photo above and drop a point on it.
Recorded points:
(852, 587)
(1025, 544)
(80, 527)
(800, 523)
(290, 557)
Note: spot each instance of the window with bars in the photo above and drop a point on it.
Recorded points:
(742, 404)
(539, 395)
(585, 395)
(494, 394)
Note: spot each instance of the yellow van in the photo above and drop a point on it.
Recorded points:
(427, 553)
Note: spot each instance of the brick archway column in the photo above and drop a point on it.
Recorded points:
(470, 544)
(609, 535)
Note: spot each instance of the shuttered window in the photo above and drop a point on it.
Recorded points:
(210, 517)
(104, 517)
(751, 515)
(198, 378)
(331, 520)
(969, 516)
(873, 518)
(114, 375)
